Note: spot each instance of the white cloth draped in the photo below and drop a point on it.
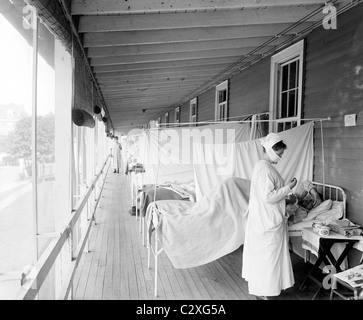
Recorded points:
(238, 159)
(168, 153)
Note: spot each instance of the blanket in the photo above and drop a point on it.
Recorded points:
(193, 234)
(163, 192)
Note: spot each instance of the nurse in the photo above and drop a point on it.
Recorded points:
(116, 155)
(266, 263)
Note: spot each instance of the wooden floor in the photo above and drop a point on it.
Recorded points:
(115, 268)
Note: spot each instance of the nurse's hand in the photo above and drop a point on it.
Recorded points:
(292, 183)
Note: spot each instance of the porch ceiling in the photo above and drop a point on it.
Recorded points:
(156, 55)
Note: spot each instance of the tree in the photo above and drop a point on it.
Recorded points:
(18, 144)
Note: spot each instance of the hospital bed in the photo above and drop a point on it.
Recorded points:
(147, 194)
(336, 211)
(168, 221)
(193, 234)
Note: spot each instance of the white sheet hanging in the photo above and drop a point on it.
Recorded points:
(169, 152)
(212, 163)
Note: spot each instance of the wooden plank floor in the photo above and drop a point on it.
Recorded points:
(115, 268)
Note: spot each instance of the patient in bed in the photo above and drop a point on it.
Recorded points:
(299, 204)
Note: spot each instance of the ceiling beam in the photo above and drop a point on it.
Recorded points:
(148, 90)
(145, 94)
(139, 102)
(106, 89)
(154, 21)
(104, 39)
(166, 64)
(143, 81)
(91, 7)
(159, 76)
(95, 52)
(138, 110)
(179, 56)
(144, 97)
(161, 72)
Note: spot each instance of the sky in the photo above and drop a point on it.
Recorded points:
(16, 61)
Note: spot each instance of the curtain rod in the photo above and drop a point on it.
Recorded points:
(240, 121)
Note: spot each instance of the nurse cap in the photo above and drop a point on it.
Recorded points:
(270, 140)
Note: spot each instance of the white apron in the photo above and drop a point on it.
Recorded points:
(266, 263)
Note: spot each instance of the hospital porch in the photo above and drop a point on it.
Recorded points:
(115, 267)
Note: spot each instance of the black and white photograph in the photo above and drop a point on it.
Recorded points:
(181, 156)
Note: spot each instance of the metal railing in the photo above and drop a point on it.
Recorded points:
(46, 262)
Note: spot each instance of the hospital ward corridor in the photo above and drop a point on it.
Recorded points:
(174, 151)
(115, 268)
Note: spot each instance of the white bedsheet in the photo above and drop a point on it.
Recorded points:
(194, 234)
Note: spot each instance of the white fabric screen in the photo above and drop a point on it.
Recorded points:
(168, 153)
(214, 163)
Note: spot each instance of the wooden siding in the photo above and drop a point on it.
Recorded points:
(334, 88)
(184, 112)
(206, 106)
(250, 90)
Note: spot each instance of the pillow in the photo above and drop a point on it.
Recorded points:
(323, 207)
(335, 213)
(338, 205)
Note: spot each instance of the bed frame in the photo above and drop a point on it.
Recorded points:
(334, 193)
(328, 191)
(154, 250)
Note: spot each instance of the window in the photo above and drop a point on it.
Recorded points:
(37, 173)
(193, 112)
(286, 88)
(177, 115)
(167, 118)
(17, 241)
(159, 120)
(221, 111)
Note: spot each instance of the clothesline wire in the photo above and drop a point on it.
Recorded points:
(237, 122)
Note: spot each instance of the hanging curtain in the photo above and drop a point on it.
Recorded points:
(215, 163)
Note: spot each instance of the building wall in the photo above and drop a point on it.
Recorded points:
(249, 90)
(334, 88)
(184, 112)
(206, 106)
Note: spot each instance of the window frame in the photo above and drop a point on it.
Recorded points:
(294, 52)
(177, 115)
(193, 117)
(166, 118)
(221, 87)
